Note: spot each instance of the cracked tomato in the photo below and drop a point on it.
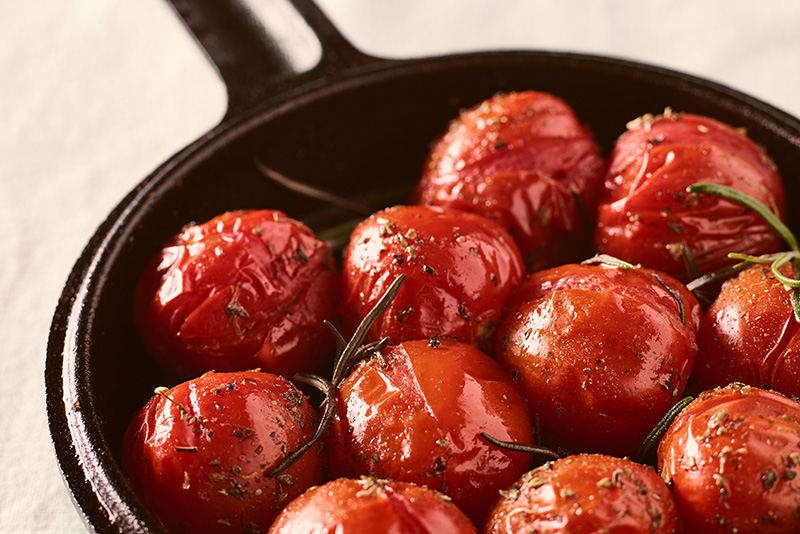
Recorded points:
(200, 454)
(460, 270)
(750, 335)
(600, 352)
(524, 160)
(733, 459)
(586, 493)
(415, 412)
(245, 290)
(647, 217)
(371, 506)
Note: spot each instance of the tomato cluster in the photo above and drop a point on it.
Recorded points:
(475, 347)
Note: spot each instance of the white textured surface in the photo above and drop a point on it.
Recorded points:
(95, 94)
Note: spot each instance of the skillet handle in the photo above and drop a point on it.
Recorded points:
(264, 47)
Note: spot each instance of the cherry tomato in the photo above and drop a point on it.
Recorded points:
(583, 494)
(645, 215)
(371, 506)
(600, 352)
(200, 453)
(460, 270)
(246, 289)
(750, 335)
(524, 160)
(733, 456)
(414, 412)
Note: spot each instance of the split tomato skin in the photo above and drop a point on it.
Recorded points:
(415, 412)
(460, 270)
(200, 453)
(732, 457)
(646, 216)
(749, 335)
(601, 353)
(247, 289)
(371, 506)
(586, 493)
(524, 160)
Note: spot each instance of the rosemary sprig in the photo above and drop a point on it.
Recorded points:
(777, 261)
(349, 353)
(654, 437)
(734, 195)
(522, 447)
(611, 261)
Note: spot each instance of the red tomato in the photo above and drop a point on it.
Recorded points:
(460, 270)
(583, 494)
(371, 506)
(733, 456)
(200, 453)
(646, 216)
(750, 335)
(601, 353)
(521, 159)
(246, 289)
(415, 412)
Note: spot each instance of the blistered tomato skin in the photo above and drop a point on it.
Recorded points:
(415, 413)
(199, 454)
(750, 335)
(521, 159)
(584, 494)
(245, 290)
(645, 215)
(371, 506)
(601, 353)
(460, 270)
(732, 457)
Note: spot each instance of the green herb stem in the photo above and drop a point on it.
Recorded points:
(654, 437)
(734, 195)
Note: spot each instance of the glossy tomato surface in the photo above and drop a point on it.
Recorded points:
(600, 352)
(749, 335)
(415, 412)
(371, 506)
(645, 214)
(583, 494)
(246, 289)
(200, 453)
(524, 160)
(733, 456)
(460, 270)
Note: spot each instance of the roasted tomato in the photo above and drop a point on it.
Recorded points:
(200, 454)
(524, 160)
(583, 494)
(601, 352)
(645, 215)
(415, 412)
(246, 289)
(733, 456)
(460, 270)
(749, 335)
(371, 506)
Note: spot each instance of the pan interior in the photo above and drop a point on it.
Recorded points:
(362, 137)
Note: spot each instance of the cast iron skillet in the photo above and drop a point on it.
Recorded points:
(309, 105)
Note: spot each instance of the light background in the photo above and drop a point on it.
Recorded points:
(94, 94)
